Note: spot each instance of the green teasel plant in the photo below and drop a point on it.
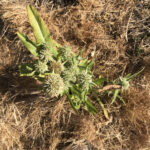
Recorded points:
(61, 71)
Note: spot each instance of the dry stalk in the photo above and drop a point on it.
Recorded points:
(109, 87)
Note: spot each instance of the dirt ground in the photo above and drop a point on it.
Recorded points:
(118, 31)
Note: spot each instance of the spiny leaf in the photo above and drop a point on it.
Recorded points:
(121, 99)
(90, 107)
(41, 32)
(84, 63)
(104, 109)
(74, 90)
(116, 92)
(134, 75)
(90, 64)
(28, 43)
(70, 100)
(83, 95)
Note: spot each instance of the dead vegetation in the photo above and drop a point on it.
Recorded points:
(117, 33)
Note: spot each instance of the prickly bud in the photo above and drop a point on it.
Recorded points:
(68, 77)
(54, 85)
(125, 83)
(41, 67)
(45, 55)
(84, 79)
(56, 66)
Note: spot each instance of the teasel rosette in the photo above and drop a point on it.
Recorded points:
(69, 77)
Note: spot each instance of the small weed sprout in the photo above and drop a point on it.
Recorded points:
(124, 82)
(61, 71)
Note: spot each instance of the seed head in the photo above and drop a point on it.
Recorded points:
(84, 79)
(69, 77)
(125, 83)
(54, 85)
(41, 67)
(45, 55)
(57, 67)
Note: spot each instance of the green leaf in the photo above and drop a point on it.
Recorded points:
(26, 70)
(83, 95)
(40, 30)
(90, 65)
(90, 107)
(128, 76)
(104, 109)
(28, 43)
(74, 90)
(116, 92)
(121, 99)
(76, 102)
(70, 100)
(100, 81)
(84, 63)
(134, 75)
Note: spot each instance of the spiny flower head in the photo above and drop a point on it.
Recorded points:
(41, 67)
(45, 55)
(69, 74)
(84, 79)
(54, 85)
(125, 83)
(69, 77)
(56, 66)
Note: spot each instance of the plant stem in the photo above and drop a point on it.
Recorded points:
(109, 87)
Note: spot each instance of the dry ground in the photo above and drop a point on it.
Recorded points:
(118, 31)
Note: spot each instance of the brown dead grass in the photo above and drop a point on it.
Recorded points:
(106, 29)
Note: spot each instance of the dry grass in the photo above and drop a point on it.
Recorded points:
(117, 32)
